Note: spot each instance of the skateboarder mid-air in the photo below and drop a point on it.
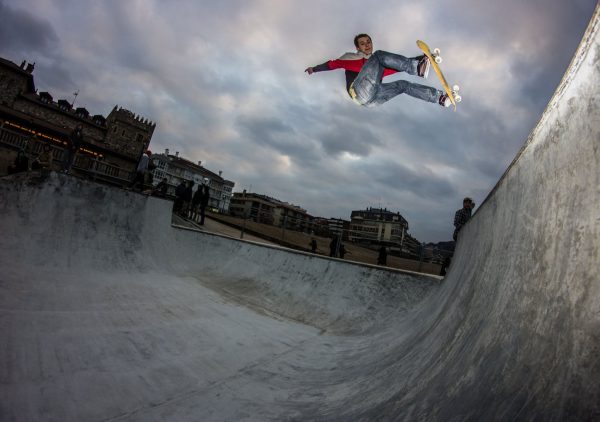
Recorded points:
(365, 71)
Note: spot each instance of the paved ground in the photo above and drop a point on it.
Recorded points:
(108, 312)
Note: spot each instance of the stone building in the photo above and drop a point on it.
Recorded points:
(112, 145)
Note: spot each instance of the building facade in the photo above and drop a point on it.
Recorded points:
(377, 226)
(267, 210)
(176, 169)
(112, 145)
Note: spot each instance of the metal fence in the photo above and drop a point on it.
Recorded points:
(86, 164)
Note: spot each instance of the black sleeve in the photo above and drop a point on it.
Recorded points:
(321, 67)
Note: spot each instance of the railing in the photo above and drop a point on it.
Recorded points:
(91, 166)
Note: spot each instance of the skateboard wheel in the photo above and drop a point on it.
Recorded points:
(456, 88)
(436, 51)
(438, 59)
(457, 98)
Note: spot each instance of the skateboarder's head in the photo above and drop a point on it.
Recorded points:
(468, 203)
(363, 43)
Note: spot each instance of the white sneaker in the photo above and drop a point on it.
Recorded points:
(445, 100)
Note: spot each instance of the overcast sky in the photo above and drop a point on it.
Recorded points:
(225, 83)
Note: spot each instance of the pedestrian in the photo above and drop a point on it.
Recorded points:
(75, 141)
(187, 198)
(20, 164)
(140, 171)
(343, 251)
(382, 256)
(195, 208)
(161, 188)
(313, 245)
(462, 216)
(333, 247)
(44, 160)
(445, 266)
(204, 199)
(365, 71)
(179, 197)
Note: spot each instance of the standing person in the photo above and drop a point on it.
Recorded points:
(161, 188)
(195, 208)
(313, 245)
(333, 247)
(140, 171)
(462, 216)
(75, 141)
(45, 160)
(179, 197)
(187, 198)
(21, 163)
(445, 266)
(365, 71)
(343, 251)
(382, 256)
(204, 199)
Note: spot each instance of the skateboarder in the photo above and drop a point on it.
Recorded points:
(365, 71)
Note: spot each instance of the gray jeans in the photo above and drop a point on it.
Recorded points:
(370, 91)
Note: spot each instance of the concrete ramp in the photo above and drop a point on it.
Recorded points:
(107, 312)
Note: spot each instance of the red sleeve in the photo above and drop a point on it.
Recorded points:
(354, 66)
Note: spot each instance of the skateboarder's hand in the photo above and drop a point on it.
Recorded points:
(309, 70)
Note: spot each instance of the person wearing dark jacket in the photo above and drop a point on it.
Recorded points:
(203, 193)
(21, 163)
(179, 197)
(382, 256)
(187, 198)
(75, 141)
(161, 188)
(462, 216)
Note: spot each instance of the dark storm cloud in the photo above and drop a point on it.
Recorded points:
(278, 136)
(23, 31)
(345, 135)
(397, 176)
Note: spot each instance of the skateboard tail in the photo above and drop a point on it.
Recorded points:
(435, 66)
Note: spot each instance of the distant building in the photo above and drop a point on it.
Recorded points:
(112, 145)
(337, 227)
(377, 226)
(177, 169)
(267, 210)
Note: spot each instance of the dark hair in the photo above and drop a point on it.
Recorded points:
(360, 36)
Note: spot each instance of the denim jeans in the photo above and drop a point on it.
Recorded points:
(370, 91)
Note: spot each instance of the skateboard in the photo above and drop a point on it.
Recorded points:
(435, 60)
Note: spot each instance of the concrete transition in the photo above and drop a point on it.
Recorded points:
(108, 312)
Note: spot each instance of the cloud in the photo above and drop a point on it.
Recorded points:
(21, 31)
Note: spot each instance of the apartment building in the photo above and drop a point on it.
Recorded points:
(177, 169)
(377, 225)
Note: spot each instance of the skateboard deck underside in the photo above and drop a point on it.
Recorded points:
(425, 48)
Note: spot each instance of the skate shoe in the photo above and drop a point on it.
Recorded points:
(445, 100)
(423, 66)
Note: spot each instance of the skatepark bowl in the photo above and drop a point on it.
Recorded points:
(108, 312)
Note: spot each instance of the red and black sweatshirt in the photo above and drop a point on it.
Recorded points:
(352, 63)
